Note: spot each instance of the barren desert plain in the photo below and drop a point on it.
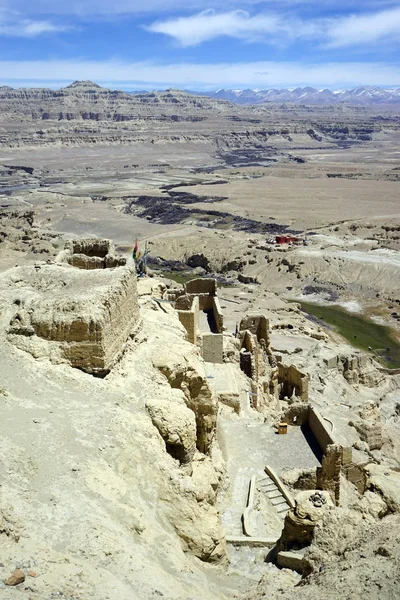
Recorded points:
(140, 453)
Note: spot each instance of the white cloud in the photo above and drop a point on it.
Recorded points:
(359, 30)
(190, 31)
(264, 74)
(28, 28)
(354, 30)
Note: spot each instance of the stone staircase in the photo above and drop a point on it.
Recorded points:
(267, 485)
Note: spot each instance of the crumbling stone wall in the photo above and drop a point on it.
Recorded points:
(188, 314)
(356, 475)
(92, 253)
(207, 286)
(292, 381)
(328, 475)
(258, 325)
(257, 360)
(213, 347)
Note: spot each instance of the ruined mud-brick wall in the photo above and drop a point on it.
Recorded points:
(296, 414)
(258, 325)
(324, 438)
(84, 318)
(218, 315)
(301, 413)
(213, 347)
(81, 261)
(292, 380)
(206, 291)
(92, 253)
(253, 364)
(249, 364)
(188, 314)
(328, 475)
(355, 473)
(357, 368)
(335, 457)
(319, 430)
(91, 247)
(369, 427)
(257, 360)
(206, 286)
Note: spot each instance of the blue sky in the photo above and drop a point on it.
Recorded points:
(200, 45)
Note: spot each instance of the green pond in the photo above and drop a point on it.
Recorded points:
(359, 332)
(177, 277)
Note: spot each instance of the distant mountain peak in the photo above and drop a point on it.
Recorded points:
(362, 95)
(88, 85)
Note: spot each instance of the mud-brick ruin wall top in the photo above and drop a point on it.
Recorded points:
(184, 302)
(319, 430)
(92, 247)
(92, 253)
(201, 286)
(83, 318)
(188, 314)
(218, 315)
(256, 324)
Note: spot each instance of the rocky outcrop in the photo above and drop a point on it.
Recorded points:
(199, 397)
(177, 426)
(369, 427)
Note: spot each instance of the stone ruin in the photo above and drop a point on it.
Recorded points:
(92, 253)
(81, 318)
(271, 380)
(201, 295)
(257, 360)
(356, 368)
(298, 529)
(292, 382)
(335, 457)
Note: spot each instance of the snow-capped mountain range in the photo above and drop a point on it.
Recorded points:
(309, 95)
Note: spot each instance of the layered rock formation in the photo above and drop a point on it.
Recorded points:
(83, 113)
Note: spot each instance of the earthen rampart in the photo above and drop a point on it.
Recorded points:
(81, 318)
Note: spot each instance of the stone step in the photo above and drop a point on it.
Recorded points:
(274, 494)
(265, 480)
(282, 508)
(268, 486)
(276, 501)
